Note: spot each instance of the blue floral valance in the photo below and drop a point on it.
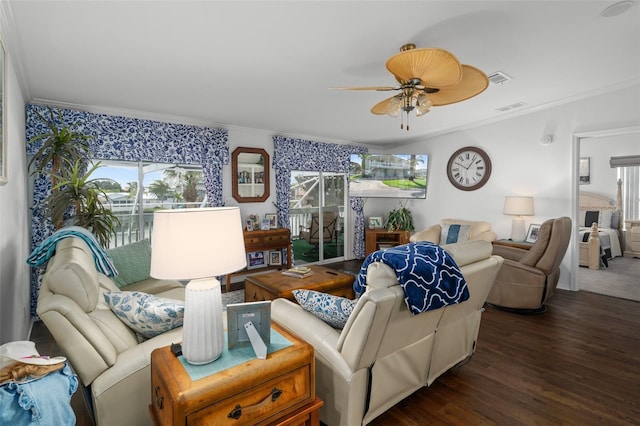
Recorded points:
(129, 139)
(299, 154)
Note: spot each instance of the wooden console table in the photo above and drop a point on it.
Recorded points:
(279, 390)
(380, 238)
(272, 239)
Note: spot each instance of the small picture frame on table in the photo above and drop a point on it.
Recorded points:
(248, 224)
(238, 314)
(375, 222)
(257, 259)
(532, 234)
(265, 225)
(275, 257)
(273, 220)
(255, 221)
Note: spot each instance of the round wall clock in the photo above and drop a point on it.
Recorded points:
(469, 168)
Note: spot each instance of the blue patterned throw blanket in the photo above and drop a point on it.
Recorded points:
(47, 248)
(428, 275)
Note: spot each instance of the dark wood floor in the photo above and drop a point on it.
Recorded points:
(576, 364)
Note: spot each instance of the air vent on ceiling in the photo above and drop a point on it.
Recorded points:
(498, 77)
(512, 106)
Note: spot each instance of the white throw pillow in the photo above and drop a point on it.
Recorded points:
(146, 314)
(454, 233)
(333, 310)
(604, 219)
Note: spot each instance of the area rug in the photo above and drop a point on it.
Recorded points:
(620, 279)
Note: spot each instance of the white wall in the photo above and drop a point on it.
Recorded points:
(522, 165)
(14, 220)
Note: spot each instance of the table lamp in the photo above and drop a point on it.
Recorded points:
(518, 207)
(199, 245)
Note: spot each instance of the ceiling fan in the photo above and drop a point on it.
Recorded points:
(427, 77)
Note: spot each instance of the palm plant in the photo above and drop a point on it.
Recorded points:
(62, 142)
(75, 189)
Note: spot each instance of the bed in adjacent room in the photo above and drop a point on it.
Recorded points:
(606, 213)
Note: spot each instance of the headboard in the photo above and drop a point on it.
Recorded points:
(593, 201)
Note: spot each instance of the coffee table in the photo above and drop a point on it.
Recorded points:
(274, 285)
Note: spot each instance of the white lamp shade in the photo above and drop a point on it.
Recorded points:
(518, 206)
(197, 243)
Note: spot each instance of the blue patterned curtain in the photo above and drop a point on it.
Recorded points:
(299, 154)
(130, 139)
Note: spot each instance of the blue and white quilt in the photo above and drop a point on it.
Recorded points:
(428, 275)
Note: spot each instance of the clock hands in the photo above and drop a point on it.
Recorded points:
(466, 168)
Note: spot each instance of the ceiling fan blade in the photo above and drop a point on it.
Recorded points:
(473, 83)
(434, 67)
(382, 107)
(378, 88)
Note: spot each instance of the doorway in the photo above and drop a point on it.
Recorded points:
(317, 216)
(579, 138)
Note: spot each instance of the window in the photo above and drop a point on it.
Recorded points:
(630, 192)
(135, 189)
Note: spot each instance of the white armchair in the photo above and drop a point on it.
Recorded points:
(385, 353)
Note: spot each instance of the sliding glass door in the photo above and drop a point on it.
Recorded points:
(316, 215)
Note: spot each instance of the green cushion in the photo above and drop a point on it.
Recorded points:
(133, 262)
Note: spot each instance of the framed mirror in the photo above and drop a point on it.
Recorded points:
(250, 175)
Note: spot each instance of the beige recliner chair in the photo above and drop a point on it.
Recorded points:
(103, 351)
(528, 278)
(385, 353)
(477, 231)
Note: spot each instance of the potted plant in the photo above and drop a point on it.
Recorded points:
(74, 199)
(400, 219)
(76, 190)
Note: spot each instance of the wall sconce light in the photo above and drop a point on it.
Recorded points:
(199, 245)
(518, 207)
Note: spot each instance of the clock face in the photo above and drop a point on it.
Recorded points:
(469, 168)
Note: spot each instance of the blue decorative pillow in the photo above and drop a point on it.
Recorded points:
(333, 310)
(146, 314)
(454, 233)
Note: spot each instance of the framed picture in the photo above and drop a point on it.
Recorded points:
(248, 224)
(532, 235)
(265, 225)
(255, 221)
(375, 222)
(273, 220)
(275, 257)
(257, 259)
(238, 314)
(585, 173)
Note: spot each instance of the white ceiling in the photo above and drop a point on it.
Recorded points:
(270, 64)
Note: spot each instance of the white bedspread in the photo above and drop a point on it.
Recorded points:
(616, 249)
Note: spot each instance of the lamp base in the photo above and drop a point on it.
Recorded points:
(203, 329)
(517, 229)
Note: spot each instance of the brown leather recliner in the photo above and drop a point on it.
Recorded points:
(529, 277)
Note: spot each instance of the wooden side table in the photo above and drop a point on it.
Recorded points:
(277, 391)
(378, 238)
